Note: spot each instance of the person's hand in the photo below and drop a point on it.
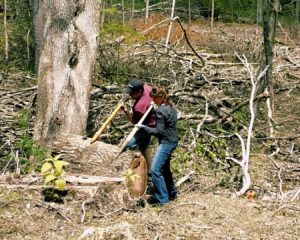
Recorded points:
(123, 108)
(140, 126)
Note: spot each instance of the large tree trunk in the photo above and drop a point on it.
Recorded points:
(67, 54)
(97, 158)
(103, 159)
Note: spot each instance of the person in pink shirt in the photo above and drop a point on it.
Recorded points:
(141, 93)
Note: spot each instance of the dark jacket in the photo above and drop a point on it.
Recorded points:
(166, 120)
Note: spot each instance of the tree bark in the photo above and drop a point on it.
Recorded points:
(98, 157)
(68, 49)
(270, 20)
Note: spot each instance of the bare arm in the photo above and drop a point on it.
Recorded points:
(127, 113)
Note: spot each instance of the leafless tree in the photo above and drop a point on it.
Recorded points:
(297, 11)
(212, 13)
(123, 13)
(5, 32)
(171, 22)
(244, 163)
(132, 9)
(190, 14)
(270, 19)
(147, 10)
(259, 12)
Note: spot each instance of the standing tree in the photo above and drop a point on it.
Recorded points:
(190, 14)
(67, 39)
(212, 13)
(123, 13)
(270, 19)
(297, 11)
(146, 10)
(170, 24)
(259, 12)
(132, 10)
(5, 32)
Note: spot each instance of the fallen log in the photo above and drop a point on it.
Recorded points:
(92, 159)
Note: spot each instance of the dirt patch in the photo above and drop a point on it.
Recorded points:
(192, 216)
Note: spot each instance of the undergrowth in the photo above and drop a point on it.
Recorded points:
(26, 154)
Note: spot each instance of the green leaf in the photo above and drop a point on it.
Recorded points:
(134, 177)
(56, 157)
(49, 159)
(49, 178)
(59, 165)
(137, 176)
(46, 167)
(60, 183)
(129, 173)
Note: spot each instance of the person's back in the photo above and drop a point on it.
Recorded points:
(141, 105)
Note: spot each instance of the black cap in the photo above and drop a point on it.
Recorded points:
(134, 86)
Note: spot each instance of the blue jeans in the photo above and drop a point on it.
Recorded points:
(141, 139)
(161, 173)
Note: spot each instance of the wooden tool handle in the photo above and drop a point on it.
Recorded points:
(135, 129)
(108, 120)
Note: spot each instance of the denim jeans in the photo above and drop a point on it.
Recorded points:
(161, 173)
(141, 139)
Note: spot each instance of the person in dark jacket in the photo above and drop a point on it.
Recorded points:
(141, 93)
(165, 131)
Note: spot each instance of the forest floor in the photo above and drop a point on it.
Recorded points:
(203, 210)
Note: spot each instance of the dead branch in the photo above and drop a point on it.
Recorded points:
(184, 179)
(292, 207)
(245, 149)
(240, 105)
(188, 41)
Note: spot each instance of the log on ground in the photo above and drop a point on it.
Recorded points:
(97, 158)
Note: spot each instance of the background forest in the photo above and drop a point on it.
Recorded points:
(215, 55)
(19, 19)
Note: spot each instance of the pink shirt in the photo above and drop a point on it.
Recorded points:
(140, 107)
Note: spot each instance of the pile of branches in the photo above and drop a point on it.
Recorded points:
(212, 97)
(211, 90)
